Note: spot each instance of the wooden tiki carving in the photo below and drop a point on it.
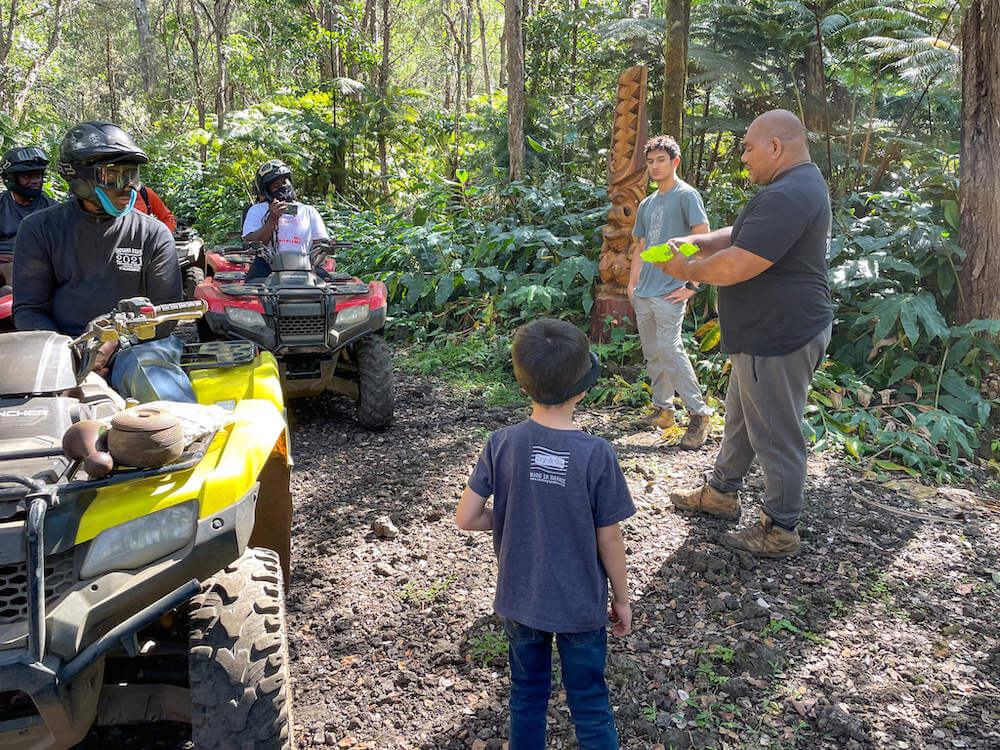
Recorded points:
(627, 183)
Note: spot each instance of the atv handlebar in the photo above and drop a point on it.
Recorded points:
(133, 317)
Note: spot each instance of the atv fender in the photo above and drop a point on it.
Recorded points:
(257, 450)
(256, 380)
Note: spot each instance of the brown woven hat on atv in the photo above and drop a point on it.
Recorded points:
(145, 437)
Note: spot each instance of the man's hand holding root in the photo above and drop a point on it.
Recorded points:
(677, 266)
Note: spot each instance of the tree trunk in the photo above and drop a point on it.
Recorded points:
(220, 72)
(572, 62)
(219, 18)
(192, 32)
(979, 190)
(110, 72)
(383, 88)
(814, 94)
(467, 28)
(825, 110)
(701, 141)
(675, 54)
(145, 45)
(40, 59)
(515, 89)
(502, 74)
(6, 45)
(482, 46)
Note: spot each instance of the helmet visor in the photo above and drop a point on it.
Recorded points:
(117, 176)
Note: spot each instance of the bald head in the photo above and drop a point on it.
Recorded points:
(783, 125)
(775, 142)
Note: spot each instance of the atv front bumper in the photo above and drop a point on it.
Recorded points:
(50, 681)
(307, 348)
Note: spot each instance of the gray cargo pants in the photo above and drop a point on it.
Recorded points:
(764, 406)
(659, 322)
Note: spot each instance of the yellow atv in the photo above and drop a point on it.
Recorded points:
(148, 594)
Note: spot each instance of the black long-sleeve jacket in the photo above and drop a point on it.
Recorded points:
(71, 266)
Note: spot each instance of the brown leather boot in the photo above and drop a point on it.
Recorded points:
(763, 539)
(709, 500)
(696, 433)
(662, 419)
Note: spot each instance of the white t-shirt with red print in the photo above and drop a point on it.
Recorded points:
(294, 231)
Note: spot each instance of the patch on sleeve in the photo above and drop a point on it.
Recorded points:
(548, 466)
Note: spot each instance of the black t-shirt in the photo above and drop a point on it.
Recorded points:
(781, 309)
(11, 215)
(71, 266)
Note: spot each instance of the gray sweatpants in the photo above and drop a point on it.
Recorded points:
(659, 322)
(764, 406)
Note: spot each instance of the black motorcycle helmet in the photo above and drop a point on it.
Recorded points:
(267, 173)
(26, 159)
(94, 143)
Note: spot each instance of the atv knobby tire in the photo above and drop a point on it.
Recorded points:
(238, 658)
(375, 384)
(193, 276)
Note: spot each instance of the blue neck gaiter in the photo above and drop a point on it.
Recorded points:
(109, 207)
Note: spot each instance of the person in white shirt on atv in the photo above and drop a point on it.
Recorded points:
(280, 222)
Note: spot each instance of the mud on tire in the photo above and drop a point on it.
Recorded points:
(375, 382)
(238, 658)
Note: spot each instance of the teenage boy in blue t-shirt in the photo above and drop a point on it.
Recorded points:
(558, 496)
(660, 300)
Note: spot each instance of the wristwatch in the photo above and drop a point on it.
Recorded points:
(691, 285)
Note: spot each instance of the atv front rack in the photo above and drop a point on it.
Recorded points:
(38, 498)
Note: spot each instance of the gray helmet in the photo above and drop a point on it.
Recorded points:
(25, 159)
(267, 173)
(91, 143)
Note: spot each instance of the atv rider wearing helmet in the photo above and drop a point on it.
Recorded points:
(23, 170)
(77, 260)
(280, 222)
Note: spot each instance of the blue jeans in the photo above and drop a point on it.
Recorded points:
(151, 371)
(582, 656)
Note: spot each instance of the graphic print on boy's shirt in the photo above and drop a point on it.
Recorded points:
(548, 466)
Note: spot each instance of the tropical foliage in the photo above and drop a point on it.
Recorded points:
(393, 117)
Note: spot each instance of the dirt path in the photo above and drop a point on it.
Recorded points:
(882, 633)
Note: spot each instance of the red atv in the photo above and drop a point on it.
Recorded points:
(6, 308)
(6, 292)
(324, 327)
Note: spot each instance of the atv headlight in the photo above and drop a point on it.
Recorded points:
(350, 316)
(244, 317)
(135, 543)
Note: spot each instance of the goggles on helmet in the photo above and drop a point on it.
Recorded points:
(117, 176)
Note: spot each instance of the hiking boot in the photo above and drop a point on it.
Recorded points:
(709, 500)
(697, 432)
(661, 418)
(763, 539)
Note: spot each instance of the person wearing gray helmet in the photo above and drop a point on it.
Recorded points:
(77, 260)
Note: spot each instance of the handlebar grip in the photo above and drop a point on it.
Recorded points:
(172, 308)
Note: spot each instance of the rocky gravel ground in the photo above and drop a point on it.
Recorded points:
(884, 632)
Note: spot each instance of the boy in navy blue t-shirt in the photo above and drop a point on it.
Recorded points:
(558, 496)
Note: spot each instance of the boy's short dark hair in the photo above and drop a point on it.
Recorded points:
(550, 357)
(663, 143)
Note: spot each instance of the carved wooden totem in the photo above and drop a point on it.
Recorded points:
(627, 183)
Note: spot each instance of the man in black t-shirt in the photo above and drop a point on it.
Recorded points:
(776, 316)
